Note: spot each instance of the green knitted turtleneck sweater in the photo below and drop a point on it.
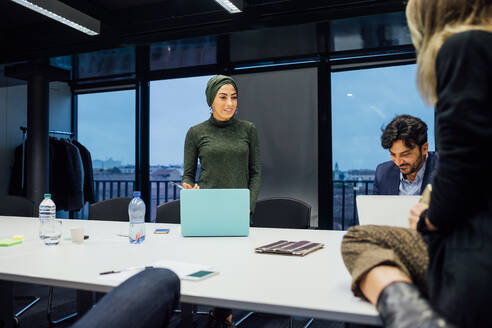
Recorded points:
(229, 156)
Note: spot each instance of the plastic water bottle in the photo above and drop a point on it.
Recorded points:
(47, 214)
(136, 212)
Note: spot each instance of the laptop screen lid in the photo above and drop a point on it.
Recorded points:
(214, 212)
(385, 210)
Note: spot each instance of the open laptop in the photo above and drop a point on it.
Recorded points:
(385, 210)
(214, 212)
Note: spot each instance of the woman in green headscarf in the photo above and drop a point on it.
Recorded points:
(227, 147)
(229, 154)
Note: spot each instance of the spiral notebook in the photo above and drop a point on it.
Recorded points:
(298, 248)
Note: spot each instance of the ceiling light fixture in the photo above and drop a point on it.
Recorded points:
(232, 6)
(63, 13)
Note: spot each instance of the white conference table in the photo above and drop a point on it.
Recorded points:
(316, 285)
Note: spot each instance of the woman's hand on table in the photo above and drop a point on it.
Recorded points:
(188, 186)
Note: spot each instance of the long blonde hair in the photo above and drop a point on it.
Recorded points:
(431, 22)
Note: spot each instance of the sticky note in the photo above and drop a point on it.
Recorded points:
(9, 242)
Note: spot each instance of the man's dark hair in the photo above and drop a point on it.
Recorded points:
(412, 130)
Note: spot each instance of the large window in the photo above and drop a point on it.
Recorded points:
(370, 32)
(106, 127)
(363, 102)
(175, 106)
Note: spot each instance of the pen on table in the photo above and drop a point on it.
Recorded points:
(109, 272)
(177, 185)
(118, 271)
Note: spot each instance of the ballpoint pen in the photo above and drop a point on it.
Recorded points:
(128, 269)
(109, 272)
(177, 185)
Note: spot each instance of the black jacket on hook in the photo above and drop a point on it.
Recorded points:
(89, 194)
(66, 176)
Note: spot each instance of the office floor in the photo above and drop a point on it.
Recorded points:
(36, 316)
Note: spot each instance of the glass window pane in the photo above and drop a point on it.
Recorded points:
(106, 62)
(64, 62)
(106, 127)
(175, 106)
(285, 41)
(361, 107)
(183, 53)
(370, 32)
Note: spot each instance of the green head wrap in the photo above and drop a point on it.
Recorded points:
(214, 84)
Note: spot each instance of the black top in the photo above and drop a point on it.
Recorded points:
(462, 183)
(229, 155)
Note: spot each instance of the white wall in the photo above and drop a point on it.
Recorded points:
(13, 114)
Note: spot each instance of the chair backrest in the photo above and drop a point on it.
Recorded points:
(114, 209)
(168, 212)
(282, 212)
(16, 206)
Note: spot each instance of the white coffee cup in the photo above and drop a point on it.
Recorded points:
(77, 234)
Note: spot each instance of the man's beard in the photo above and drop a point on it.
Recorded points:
(416, 166)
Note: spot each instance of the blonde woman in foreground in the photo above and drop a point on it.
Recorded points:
(389, 266)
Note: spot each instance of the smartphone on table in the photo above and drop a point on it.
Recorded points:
(200, 275)
(161, 231)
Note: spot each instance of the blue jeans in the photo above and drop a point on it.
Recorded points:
(145, 300)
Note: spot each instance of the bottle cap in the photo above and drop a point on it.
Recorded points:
(136, 194)
(47, 195)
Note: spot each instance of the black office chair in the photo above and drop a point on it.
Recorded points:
(114, 209)
(168, 212)
(19, 206)
(282, 212)
(16, 206)
(136, 303)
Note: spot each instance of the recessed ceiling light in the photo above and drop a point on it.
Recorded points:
(64, 14)
(232, 6)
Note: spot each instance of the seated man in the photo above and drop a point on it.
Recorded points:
(146, 300)
(412, 165)
(389, 264)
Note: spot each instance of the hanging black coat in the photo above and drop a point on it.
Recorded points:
(67, 176)
(89, 194)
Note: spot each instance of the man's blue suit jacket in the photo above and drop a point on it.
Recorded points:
(387, 177)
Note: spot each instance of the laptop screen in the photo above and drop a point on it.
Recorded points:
(214, 212)
(385, 210)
